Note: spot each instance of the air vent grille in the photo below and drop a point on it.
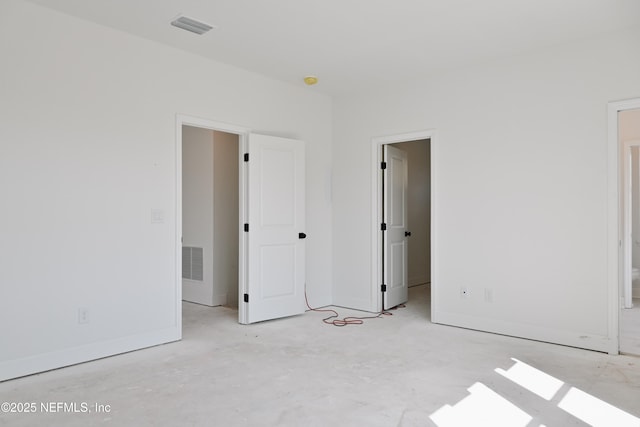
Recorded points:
(191, 25)
(192, 263)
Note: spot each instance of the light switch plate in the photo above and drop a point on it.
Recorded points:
(157, 216)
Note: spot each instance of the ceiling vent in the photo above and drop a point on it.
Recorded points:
(191, 25)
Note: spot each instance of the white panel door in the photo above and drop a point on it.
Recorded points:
(275, 275)
(395, 217)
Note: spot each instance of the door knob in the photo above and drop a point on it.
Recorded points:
(407, 233)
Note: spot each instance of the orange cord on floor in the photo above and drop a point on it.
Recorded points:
(335, 320)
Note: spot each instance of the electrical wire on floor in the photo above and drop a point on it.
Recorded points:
(335, 319)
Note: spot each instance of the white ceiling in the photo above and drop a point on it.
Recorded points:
(355, 44)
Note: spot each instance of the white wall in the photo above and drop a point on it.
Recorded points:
(418, 210)
(197, 210)
(519, 187)
(226, 193)
(88, 146)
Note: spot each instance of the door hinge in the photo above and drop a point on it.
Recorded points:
(383, 288)
(302, 236)
(383, 165)
(246, 228)
(246, 157)
(246, 297)
(383, 226)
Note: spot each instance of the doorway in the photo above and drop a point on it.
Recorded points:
(269, 226)
(628, 134)
(210, 212)
(188, 258)
(418, 210)
(406, 206)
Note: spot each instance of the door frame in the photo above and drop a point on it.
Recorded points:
(614, 219)
(376, 213)
(243, 136)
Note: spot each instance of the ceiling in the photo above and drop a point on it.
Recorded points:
(352, 45)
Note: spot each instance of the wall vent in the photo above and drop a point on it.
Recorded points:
(191, 25)
(192, 263)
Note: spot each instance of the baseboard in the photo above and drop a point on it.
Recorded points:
(58, 359)
(630, 345)
(417, 280)
(518, 330)
(355, 304)
(316, 302)
(219, 299)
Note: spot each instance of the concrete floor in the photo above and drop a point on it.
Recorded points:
(398, 370)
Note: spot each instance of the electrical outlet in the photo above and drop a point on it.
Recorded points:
(83, 316)
(488, 295)
(465, 292)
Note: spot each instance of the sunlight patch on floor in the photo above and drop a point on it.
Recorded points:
(534, 380)
(485, 407)
(594, 411)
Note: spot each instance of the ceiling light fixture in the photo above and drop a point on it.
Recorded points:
(191, 25)
(310, 80)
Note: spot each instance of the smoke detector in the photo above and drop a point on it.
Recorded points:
(310, 80)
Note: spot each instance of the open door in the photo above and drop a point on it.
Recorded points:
(273, 280)
(395, 257)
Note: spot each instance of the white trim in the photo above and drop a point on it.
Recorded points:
(614, 219)
(71, 356)
(376, 213)
(243, 238)
(210, 124)
(418, 280)
(565, 337)
(178, 216)
(243, 133)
